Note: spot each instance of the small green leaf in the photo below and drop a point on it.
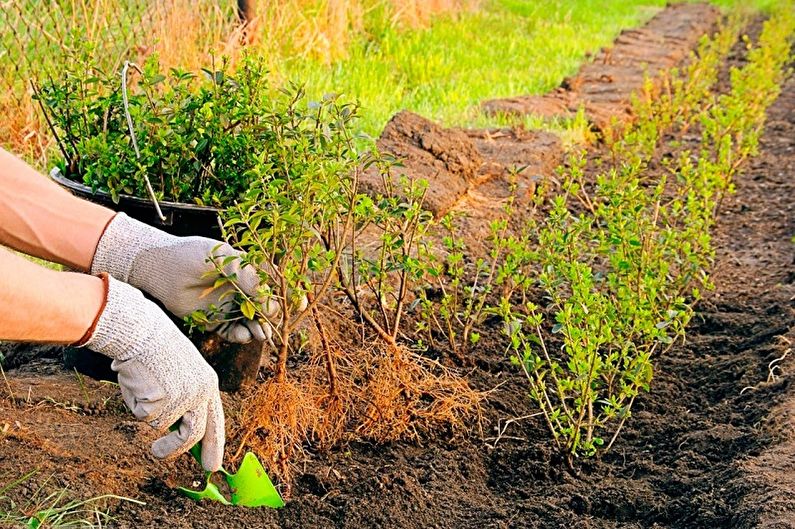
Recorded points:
(248, 309)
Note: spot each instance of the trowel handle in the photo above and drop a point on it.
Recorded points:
(196, 452)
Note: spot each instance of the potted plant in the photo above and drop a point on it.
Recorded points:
(169, 148)
(176, 149)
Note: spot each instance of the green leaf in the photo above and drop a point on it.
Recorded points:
(248, 309)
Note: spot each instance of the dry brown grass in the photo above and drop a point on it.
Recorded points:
(419, 13)
(184, 33)
(21, 130)
(323, 29)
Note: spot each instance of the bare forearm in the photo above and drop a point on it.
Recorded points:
(39, 218)
(42, 305)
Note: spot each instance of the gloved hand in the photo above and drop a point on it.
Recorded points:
(162, 376)
(177, 272)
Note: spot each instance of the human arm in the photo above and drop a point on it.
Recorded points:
(60, 313)
(163, 378)
(39, 218)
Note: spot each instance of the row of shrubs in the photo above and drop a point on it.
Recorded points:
(623, 259)
(619, 259)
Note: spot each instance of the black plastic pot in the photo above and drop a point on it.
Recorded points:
(237, 365)
(181, 219)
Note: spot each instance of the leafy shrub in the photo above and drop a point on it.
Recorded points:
(199, 136)
(291, 221)
(387, 257)
(311, 235)
(465, 285)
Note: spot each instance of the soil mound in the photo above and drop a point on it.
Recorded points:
(524, 152)
(446, 158)
(516, 161)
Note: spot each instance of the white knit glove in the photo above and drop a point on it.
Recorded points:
(163, 378)
(178, 273)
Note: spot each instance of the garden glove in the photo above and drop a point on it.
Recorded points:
(163, 377)
(177, 271)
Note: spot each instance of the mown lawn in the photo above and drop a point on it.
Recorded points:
(504, 48)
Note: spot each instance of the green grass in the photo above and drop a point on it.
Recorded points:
(53, 510)
(506, 48)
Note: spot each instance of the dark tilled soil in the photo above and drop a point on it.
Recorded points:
(767, 268)
(711, 445)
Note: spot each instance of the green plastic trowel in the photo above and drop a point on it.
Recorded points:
(250, 486)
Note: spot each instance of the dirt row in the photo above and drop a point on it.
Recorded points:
(603, 86)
